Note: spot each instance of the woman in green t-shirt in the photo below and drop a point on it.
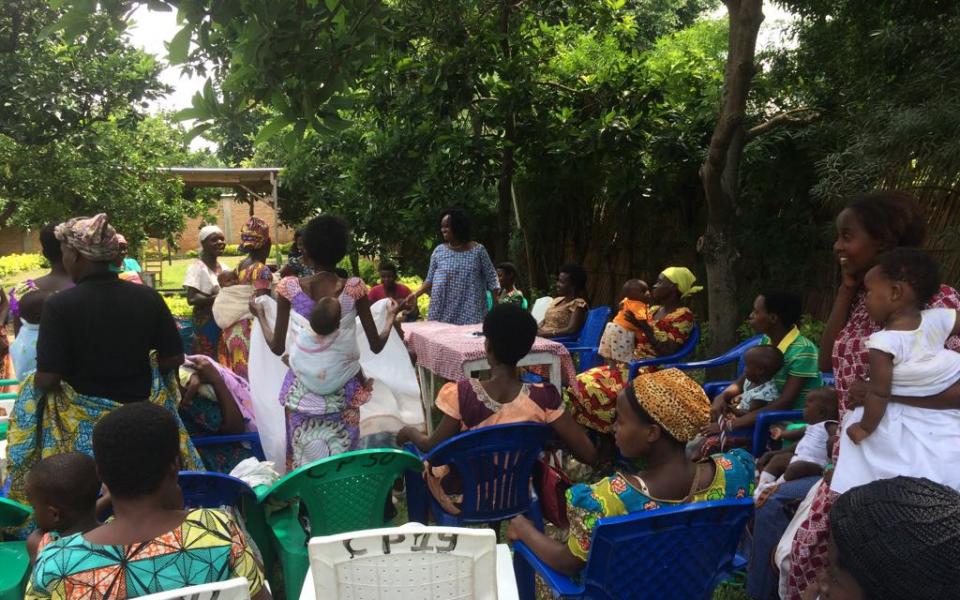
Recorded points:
(776, 315)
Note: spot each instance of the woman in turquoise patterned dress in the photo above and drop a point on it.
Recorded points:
(656, 417)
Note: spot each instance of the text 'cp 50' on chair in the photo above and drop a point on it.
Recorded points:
(346, 492)
(668, 553)
(231, 589)
(14, 561)
(412, 561)
(494, 465)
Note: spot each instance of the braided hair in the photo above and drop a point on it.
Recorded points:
(899, 538)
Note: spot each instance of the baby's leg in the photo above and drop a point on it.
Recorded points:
(874, 407)
(777, 465)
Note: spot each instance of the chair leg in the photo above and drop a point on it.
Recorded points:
(526, 578)
(417, 502)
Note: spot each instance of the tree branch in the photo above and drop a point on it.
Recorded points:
(786, 118)
(7, 212)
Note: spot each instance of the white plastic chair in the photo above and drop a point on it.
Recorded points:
(540, 308)
(231, 589)
(412, 562)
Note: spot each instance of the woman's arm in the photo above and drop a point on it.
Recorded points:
(576, 439)
(791, 391)
(837, 320)
(277, 337)
(489, 272)
(197, 298)
(661, 348)
(719, 404)
(447, 428)
(555, 554)
(376, 339)
(232, 422)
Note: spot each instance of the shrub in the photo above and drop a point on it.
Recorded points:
(17, 263)
(178, 306)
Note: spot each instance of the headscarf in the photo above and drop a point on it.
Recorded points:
(900, 538)
(209, 230)
(121, 243)
(683, 278)
(254, 235)
(676, 402)
(93, 238)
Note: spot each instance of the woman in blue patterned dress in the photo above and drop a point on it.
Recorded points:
(460, 274)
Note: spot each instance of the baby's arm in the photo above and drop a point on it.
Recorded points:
(875, 403)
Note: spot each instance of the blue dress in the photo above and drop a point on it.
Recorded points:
(460, 282)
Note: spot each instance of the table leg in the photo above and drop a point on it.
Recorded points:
(426, 390)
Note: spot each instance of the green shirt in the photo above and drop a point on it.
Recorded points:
(800, 359)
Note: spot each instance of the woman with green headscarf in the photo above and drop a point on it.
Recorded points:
(592, 397)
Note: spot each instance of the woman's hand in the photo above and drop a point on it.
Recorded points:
(208, 373)
(404, 436)
(710, 429)
(411, 301)
(632, 319)
(256, 309)
(519, 527)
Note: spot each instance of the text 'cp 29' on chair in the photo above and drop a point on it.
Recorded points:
(668, 553)
(231, 589)
(411, 562)
(346, 492)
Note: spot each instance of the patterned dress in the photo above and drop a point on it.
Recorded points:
(206, 331)
(617, 495)
(233, 350)
(460, 280)
(207, 547)
(514, 296)
(592, 398)
(851, 362)
(319, 426)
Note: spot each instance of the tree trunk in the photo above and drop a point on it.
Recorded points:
(720, 174)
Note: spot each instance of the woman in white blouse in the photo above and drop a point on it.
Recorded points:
(202, 289)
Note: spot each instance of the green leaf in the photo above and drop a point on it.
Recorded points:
(179, 46)
(190, 135)
(187, 114)
(271, 129)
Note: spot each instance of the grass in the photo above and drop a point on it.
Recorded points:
(173, 272)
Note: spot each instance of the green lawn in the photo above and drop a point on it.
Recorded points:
(173, 272)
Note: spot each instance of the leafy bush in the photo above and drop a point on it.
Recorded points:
(17, 263)
(234, 250)
(809, 327)
(178, 306)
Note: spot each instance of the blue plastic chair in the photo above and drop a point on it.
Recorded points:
(685, 350)
(251, 437)
(495, 465)
(586, 343)
(761, 429)
(676, 552)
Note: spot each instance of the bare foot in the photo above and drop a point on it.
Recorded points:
(857, 433)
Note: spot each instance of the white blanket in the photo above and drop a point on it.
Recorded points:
(232, 304)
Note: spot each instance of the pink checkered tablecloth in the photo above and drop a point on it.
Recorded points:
(444, 348)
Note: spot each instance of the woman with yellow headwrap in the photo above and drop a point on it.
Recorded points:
(656, 417)
(592, 397)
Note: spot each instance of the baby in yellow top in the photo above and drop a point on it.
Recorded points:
(619, 337)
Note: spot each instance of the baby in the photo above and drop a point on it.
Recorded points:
(812, 453)
(320, 355)
(760, 366)
(227, 278)
(62, 489)
(619, 338)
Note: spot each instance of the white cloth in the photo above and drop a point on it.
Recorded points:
(812, 447)
(921, 365)
(232, 305)
(200, 277)
(207, 231)
(324, 364)
(781, 556)
(254, 472)
(23, 350)
(754, 392)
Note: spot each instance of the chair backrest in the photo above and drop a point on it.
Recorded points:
(413, 561)
(346, 492)
(540, 308)
(206, 489)
(593, 327)
(231, 589)
(676, 552)
(685, 350)
(495, 464)
(12, 513)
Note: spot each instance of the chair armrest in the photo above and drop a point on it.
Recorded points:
(412, 449)
(573, 349)
(761, 429)
(558, 582)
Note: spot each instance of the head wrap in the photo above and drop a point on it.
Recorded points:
(254, 235)
(93, 238)
(121, 242)
(209, 230)
(900, 538)
(676, 402)
(684, 279)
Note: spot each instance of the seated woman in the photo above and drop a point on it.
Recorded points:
(215, 400)
(593, 396)
(508, 332)
(151, 545)
(656, 416)
(568, 311)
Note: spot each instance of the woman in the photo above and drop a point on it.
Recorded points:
(460, 275)
(215, 401)
(253, 277)
(126, 267)
(568, 311)
(775, 315)
(295, 265)
(321, 426)
(202, 289)
(890, 539)
(509, 333)
(103, 343)
(24, 348)
(871, 224)
(151, 544)
(593, 396)
(656, 417)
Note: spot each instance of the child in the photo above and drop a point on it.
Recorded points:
(227, 278)
(907, 358)
(509, 293)
(62, 489)
(619, 338)
(760, 366)
(812, 453)
(23, 350)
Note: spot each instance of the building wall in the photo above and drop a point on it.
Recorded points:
(14, 240)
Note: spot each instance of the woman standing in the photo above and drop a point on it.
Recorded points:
(871, 224)
(202, 289)
(233, 350)
(319, 426)
(460, 274)
(568, 311)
